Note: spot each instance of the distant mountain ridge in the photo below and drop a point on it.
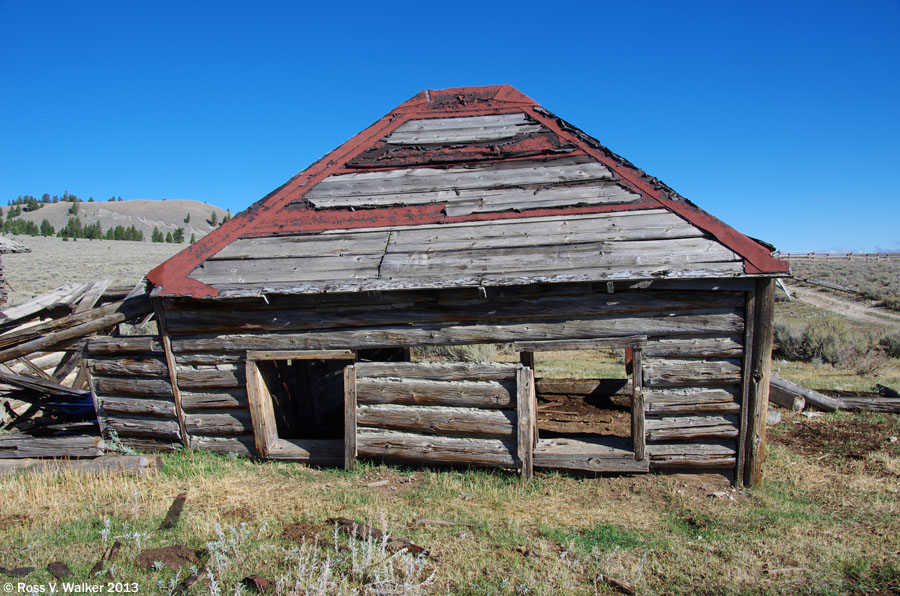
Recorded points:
(167, 215)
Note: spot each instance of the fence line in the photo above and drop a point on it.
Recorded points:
(837, 256)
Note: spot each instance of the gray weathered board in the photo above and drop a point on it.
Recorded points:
(650, 243)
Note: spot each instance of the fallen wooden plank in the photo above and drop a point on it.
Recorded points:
(870, 404)
(94, 320)
(812, 398)
(174, 512)
(108, 555)
(20, 312)
(106, 464)
(20, 446)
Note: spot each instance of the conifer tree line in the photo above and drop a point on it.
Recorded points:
(74, 227)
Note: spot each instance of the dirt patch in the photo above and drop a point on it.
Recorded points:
(851, 438)
(578, 414)
(305, 532)
(171, 557)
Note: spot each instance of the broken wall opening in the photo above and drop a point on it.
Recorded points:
(595, 402)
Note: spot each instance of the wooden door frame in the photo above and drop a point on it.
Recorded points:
(265, 432)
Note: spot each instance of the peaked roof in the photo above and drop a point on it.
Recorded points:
(451, 160)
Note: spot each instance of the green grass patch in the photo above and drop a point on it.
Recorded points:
(602, 537)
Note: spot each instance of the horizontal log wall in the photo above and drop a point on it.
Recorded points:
(692, 359)
(437, 413)
(134, 396)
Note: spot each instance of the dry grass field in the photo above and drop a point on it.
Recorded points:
(53, 262)
(825, 520)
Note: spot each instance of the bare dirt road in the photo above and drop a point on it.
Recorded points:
(850, 308)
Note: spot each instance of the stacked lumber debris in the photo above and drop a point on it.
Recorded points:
(796, 397)
(46, 408)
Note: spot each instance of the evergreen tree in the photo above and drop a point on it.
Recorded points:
(73, 210)
(187, 218)
(111, 200)
(156, 236)
(169, 237)
(46, 228)
(178, 236)
(213, 219)
(193, 238)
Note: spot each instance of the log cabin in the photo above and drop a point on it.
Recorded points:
(464, 216)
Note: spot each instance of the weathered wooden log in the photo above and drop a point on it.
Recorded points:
(105, 464)
(692, 455)
(437, 371)
(239, 445)
(702, 322)
(870, 404)
(429, 449)
(673, 373)
(142, 366)
(437, 420)
(136, 344)
(150, 388)
(157, 429)
(786, 399)
(231, 422)
(692, 400)
(691, 427)
(247, 321)
(604, 454)
(193, 378)
(97, 319)
(19, 446)
(474, 394)
(811, 397)
(695, 347)
(214, 399)
(190, 359)
(597, 387)
(580, 344)
(131, 406)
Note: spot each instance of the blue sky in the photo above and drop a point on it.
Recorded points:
(780, 118)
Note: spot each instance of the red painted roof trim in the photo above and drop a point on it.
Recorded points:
(270, 215)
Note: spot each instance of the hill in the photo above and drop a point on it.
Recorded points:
(167, 215)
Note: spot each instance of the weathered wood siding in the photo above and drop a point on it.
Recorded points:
(691, 362)
(643, 244)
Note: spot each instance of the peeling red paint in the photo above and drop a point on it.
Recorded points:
(275, 213)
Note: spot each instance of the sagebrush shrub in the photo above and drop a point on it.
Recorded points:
(891, 345)
(832, 340)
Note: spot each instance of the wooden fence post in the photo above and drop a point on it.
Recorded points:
(760, 370)
(526, 410)
(350, 417)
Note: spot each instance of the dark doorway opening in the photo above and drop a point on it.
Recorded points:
(307, 397)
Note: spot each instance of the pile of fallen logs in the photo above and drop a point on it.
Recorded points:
(46, 409)
(795, 397)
